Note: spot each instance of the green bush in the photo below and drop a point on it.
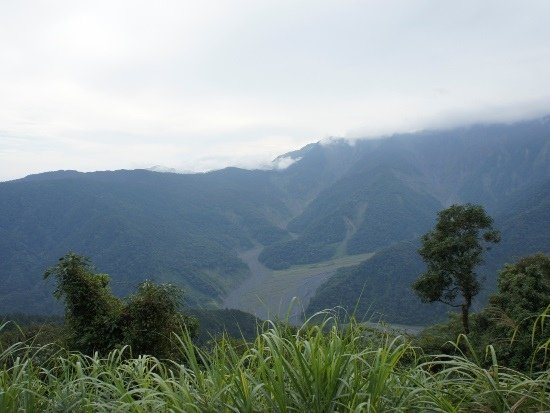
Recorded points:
(97, 321)
(92, 312)
(151, 316)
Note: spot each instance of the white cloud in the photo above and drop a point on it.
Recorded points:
(200, 85)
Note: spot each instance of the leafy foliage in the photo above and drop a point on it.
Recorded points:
(92, 313)
(311, 368)
(97, 321)
(151, 316)
(512, 321)
(523, 294)
(451, 251)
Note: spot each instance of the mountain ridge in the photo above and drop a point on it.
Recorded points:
(336, 199)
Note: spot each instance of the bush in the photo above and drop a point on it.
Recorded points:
(514, 322)
(150, 316)
(97, 321)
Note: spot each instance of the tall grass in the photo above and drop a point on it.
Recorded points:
(315, 368)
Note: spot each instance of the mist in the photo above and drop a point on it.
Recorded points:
(200, 86)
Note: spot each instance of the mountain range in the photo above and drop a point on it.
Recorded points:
(336, 199)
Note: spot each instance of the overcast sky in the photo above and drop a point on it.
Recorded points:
(204, 84)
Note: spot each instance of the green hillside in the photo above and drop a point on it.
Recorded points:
(392, 188)
(381, 286)
(134, 225)
(335, 200)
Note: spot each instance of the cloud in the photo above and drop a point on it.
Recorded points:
(283, 162)
(205, 84)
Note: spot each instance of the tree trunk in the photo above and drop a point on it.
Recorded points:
(466, 316)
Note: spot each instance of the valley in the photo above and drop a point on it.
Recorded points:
(283, 294)
(275, 206)
(308, 231)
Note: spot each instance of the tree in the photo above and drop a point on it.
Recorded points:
(91, 310)
(451, 251)
(523, 294)
(151, 315)
(99, 321)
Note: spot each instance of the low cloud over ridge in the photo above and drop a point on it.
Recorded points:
(203, 85)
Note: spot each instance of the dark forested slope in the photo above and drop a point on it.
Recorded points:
(134, 225)
(335, 199)
(381, 286)
(392, 188)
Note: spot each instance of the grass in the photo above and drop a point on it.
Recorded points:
(313, 368)
(329, 265)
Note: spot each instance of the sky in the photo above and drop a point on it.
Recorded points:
(200, 85)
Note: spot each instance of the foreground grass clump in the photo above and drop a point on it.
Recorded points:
(315, 368)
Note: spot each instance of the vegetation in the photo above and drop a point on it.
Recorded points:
(97, 321)
(523, 294)
(283, 255)
(451, 251)
(362, 214)
(515, 322)
(317, 367)
(379, 288)
(183, 229)
(233, 324)
(140, 354)
(210, 326)
(313, 368)
(335, 200)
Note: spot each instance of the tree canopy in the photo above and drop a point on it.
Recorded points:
(515, 321)
(91, 310)
(98, 321)
(523, 295)
(451, 251)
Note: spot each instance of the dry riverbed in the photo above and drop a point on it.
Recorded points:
(269, 294)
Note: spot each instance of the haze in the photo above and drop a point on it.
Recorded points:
(202, 85)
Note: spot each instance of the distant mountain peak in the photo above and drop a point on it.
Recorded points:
(163, 169)
(297, 154)
(168, 170)
(61, 174)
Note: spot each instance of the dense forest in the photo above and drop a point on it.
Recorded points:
(135, 340)
(335, 200)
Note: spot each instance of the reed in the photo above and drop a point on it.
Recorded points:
(323, 367)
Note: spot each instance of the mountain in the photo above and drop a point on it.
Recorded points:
(134, 225)
(334, 199)
(380, 288)
(392, 188)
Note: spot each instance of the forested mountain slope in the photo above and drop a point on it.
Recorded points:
(381, 287)
(336, 199)
(134, 225)
(392, 188)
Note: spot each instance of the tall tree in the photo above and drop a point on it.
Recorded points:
(91, 310)
(451, 251)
